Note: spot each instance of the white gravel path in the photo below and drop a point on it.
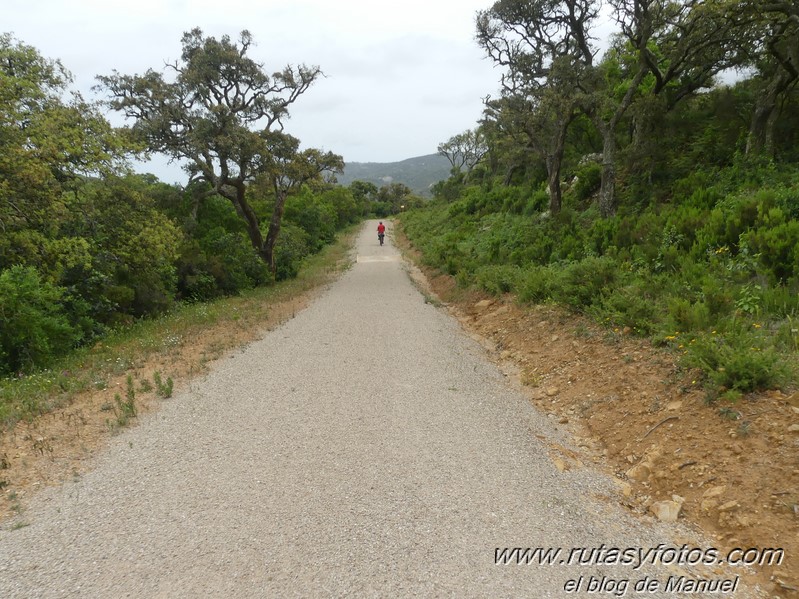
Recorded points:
(366, 448)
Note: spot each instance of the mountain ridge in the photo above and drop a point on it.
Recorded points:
(419, 173)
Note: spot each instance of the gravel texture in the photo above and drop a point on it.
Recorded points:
(365, 448)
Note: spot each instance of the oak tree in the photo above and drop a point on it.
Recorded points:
(544, 47)
(224, 115)
(465, 150)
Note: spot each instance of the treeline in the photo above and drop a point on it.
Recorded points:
(636, 188)
(87, 246)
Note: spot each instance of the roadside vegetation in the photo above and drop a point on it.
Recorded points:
(151, 340)
(664, 208)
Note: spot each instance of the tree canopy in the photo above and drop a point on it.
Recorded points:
(225, 115)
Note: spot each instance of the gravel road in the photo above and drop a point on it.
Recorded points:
(365, 448)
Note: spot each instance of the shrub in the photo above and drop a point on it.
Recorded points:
(589, 177)
(740, 358)
(600, 236)
(685, 315)
(584, 283)
(778, 250)
(291, 247)
(498, 279)
(725, 224)
(33, 326)
(232, 261)
(535, 284)
(630, 306)
(781, 301)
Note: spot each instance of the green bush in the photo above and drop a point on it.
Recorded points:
(601, 235)
(535, 285)
(316, 217)
(630, 306)
(584, 283)
(739, 358)
(781, 301)
(589, 178)
(498, 279)
(685, 315)
(725, 224)
(233, 262)
(33, 326)
(291, 247)
(777, 248)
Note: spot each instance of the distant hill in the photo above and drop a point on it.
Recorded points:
(417, 173)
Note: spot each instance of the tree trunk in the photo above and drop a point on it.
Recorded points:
(246, 212)
(268, 249)
(509, 174)
(761, 129)
(553, 183)
(554, 162)
(607, 190)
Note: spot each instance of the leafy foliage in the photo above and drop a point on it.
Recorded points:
(33, 325)
(87, 247)
(224, 115)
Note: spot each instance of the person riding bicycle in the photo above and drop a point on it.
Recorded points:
(381, 231)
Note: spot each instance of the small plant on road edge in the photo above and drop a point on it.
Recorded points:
(163, 389)
(125, 410)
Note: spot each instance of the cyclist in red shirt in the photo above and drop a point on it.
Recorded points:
(381, 231)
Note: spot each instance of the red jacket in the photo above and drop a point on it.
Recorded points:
(381, 228)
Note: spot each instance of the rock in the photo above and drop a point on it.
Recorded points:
(552, 391)
(794, 428)
(795, 410)
(793, 399)
(560, 464)
(744, 520)
(714, 491)
(554, 338)
(666, 511)
(673, 406)
(483, 304)
(730, 505)
(506, 354)
(563, 420)
(639, 472)
(708, 504)
(727, 520)
(658, 474)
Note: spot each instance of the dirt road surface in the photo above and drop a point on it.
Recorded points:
(365, 448)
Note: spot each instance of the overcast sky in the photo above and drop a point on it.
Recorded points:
(401, 77)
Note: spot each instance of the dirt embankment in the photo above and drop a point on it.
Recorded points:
(731, 470)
